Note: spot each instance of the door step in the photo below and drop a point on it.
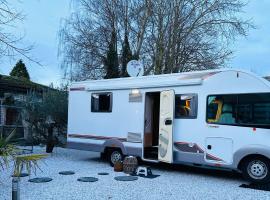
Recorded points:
(151, 153)
(150, 160)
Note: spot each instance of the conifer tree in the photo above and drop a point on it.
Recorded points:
(111, 60)
(126, 56)
(20, 71)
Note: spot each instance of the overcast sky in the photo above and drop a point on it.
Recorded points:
(43, 18)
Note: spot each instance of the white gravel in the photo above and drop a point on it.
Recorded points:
(176, 182)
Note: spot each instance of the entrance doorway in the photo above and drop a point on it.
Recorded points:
(151, 125)
(158, 126)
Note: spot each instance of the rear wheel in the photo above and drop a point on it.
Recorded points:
(256, 169)
(115, 155)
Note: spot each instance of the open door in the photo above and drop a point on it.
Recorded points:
(165, 148)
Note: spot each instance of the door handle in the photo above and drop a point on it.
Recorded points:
(168, 122)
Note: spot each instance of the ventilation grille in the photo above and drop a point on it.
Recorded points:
(134, 137)
(135, 97)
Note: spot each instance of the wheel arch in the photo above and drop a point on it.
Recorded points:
(113, 144)
(250, 156)
(250, 152)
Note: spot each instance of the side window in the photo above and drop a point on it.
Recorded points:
(254, 109)
(221, 109)
(101, 102)
(186, 106)
(239, 109)
(212, 109)
(13, 116)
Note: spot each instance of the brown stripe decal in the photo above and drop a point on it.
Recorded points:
(194, 148)
(95, 137)
(186, 147)
(211, 157)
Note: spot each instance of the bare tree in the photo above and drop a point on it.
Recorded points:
(168, 36)
(10, 43)
(83, 43)
(193, 35)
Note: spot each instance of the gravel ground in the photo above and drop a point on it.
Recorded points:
(174, 182)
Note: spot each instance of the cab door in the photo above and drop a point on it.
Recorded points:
(165, 148)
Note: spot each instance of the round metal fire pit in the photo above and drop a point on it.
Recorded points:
(40, 180)
(126, 178)
(67, 172)
(87, 179)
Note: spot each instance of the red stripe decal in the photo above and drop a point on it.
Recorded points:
(208, 75)
(213, 157)
(95, 137)
(200, 149)
(181, 143)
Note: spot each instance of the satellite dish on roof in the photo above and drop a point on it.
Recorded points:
(135, 68)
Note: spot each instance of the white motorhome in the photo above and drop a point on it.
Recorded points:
(218, 118)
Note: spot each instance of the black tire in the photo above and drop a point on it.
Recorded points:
(114, 156)
(256, 170)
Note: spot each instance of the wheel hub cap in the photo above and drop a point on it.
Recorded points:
(115, 157)
(257, 169)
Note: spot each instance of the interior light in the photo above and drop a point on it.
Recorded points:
(135, 91)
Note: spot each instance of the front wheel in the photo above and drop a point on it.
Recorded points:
(115, 156)
(256, 170)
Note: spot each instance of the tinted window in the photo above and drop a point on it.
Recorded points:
(186, 106)
(242, 109)
(254, 109)
(101, 102)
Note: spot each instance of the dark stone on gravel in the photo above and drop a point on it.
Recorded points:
(103, 173)
(40, 180)
(67, 172)
(126, 178)
(87, 179)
